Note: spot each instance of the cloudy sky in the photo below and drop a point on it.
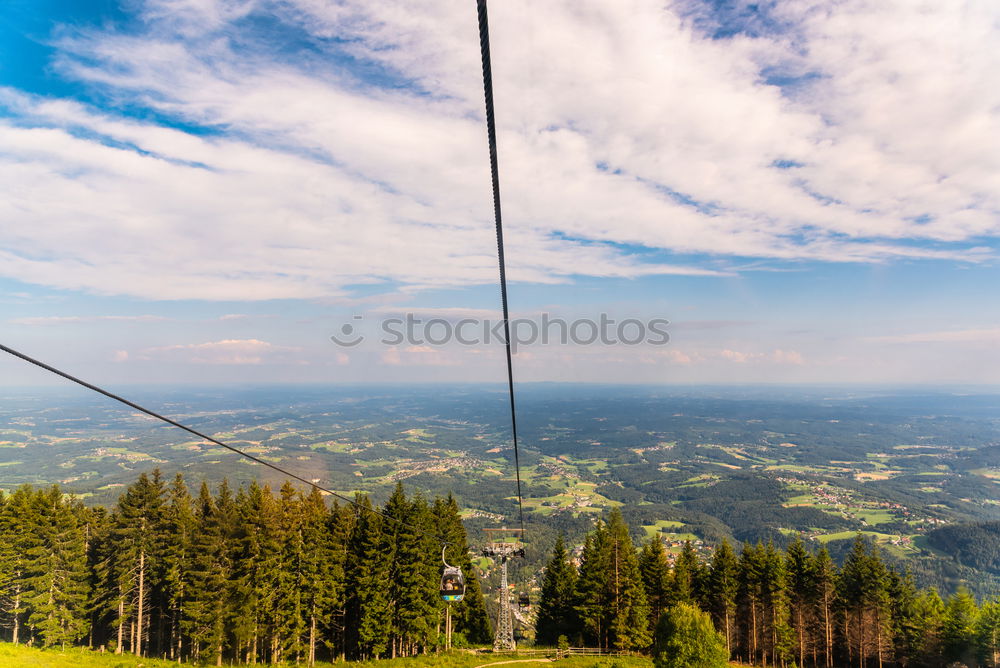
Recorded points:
(206, 190)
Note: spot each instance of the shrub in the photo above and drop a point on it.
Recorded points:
(686, 638)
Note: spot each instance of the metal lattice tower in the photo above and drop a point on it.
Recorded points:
(504, 639)
(504, 544)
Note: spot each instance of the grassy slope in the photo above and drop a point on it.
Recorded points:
(25, 657)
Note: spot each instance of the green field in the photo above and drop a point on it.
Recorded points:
(657, 528)
(27, 657)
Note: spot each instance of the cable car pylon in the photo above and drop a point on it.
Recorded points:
(503, 545)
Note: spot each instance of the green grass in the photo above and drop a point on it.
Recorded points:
(461, 660)
(875, 516)
(882, 539)
(25, 657)
(29, 657)
(659, 526)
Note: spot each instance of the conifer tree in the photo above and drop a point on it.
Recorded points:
(556, 613)
(798, 567)
(629, 622)
(903, 611)
(18, 534)
(135, 532)
(323, 570)
(368, 572)
(774, 596)
(656, 578)
(723, 586)
(988, 633)
(930, 616)
(206, 609)
(340, 526)
(824, 588)
(958, 629)
(55, 575)
(470, 619)
(685, 576)
(178, 527)
(253, 584)
(591, 588)
(751, 600)
(414, 572)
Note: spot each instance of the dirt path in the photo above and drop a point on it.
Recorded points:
(501, 663)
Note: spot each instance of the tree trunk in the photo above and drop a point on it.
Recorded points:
(142, 602)
(121, 625)
(827, 632)
(802, 637)
(878, 635)
(312, 640)
(861, 638)
(17, 612)
(729, 648)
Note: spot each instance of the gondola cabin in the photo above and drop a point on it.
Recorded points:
(452, 584)
(524, 602)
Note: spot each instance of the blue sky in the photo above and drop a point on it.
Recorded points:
(206, 190)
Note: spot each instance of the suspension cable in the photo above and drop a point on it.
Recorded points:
(491, 132)
(208, 438)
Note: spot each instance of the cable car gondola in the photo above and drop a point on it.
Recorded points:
(452, 582)
(524, 602)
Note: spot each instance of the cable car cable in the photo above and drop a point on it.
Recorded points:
(199, 434)
(491, 132)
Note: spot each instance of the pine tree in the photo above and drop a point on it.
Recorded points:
(178, 523)
(207, 590)
(685, 576)
(556, 614)
(824, 588)
(323, 570)
(55, 576)
(18, 535)
(134, 535)
(774, 596)
(751, 599)
(368, 573)
(988, 633)
(798, 567)
(591, 588)
(414, 572)
(341, 527)
(930, 624)
(903, 610)
(722, 584)
(470, 620)
(10, 572)
(631, 622)
(959, 627)
(656, 578)
(288, 619)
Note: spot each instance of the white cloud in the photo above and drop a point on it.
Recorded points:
(613, 119)
(984, 335)
(74, 319)
(228, 352)
(778, 356)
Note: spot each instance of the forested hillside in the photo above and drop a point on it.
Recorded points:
(770, 606)
(251, 576)
(974, 545)
(236, 576)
